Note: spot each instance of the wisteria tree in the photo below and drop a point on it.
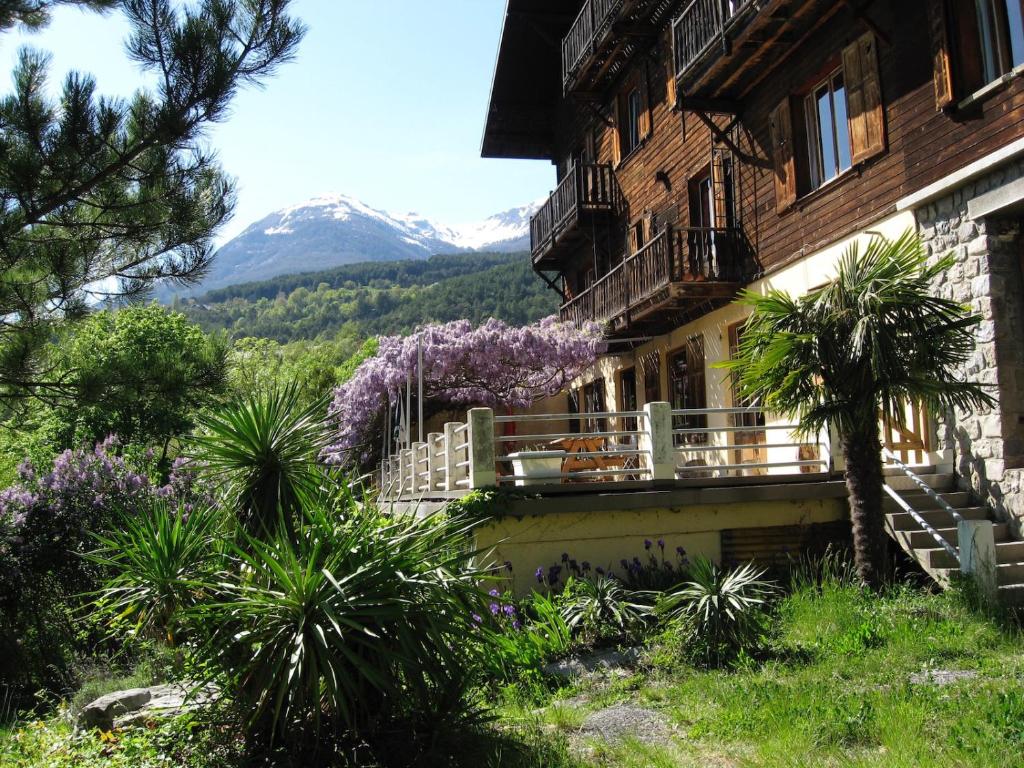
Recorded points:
(494, 365)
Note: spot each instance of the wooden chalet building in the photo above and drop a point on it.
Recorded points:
(704, 146)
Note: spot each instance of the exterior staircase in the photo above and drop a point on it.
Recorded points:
(919, 543)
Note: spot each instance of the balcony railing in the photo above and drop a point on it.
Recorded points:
(584, 35)
(585, 189)
(691, 255)
(701, 26)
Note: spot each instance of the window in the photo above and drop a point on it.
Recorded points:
(974, 42)
(828, 132)
(593, 402)
(632, 118)
(650, 365)
(632, 132)
(627, 397)
(687, 390)
(842, 118)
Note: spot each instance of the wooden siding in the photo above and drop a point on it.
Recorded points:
(922, 144)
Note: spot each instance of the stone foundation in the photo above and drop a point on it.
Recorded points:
(987, 443)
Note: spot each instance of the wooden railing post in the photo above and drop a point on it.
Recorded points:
(481, 448)
(656, 441)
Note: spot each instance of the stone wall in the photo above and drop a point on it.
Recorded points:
(987, 443)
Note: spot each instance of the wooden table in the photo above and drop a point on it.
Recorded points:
(584, 444)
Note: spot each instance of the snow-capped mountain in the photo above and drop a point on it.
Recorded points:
(333, 230)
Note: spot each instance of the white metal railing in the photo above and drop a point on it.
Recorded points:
(709, 442)
(613, 452)
(932, 494)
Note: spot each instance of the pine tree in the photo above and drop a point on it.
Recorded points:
(103, 197)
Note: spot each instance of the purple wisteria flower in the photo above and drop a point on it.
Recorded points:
(493, 365)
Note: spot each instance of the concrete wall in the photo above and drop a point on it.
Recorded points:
(603, 531)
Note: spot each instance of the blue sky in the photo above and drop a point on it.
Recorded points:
(385, 101)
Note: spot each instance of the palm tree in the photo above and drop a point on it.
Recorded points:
(867, 343)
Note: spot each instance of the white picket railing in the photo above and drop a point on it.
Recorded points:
(573, 456)
(654, 444)
(712, 442)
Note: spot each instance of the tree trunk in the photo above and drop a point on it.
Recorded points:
(863, 454)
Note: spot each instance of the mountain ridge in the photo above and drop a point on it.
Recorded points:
(336, 230)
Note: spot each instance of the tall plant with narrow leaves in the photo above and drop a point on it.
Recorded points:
(867, 343)
(261, 453)
(354, 619)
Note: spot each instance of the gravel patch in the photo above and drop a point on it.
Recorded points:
(626, 721)
(942, 677)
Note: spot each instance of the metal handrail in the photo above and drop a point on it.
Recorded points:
(921, 521)
(945, 505)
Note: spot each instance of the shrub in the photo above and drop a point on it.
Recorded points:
(601, 608)
(156, 557)
(525, 639)
(353, 620)
(721, 613)
(46, 524)
(260, 453)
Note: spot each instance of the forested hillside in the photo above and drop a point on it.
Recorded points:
(378, 297)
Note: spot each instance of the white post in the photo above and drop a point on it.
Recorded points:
(435, 460)
(409, 471)
(417, 466)
(977, 545)
(451, 474)
(481, 448)
(656, 441)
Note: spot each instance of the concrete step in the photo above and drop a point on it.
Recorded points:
(1006, 575)
(922, 501)
(935, 557)
(922, 539)
(1011, 595)
(945, 481)
(937, 518)
(890, 470)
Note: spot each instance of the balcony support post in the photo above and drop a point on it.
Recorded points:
(656, 441)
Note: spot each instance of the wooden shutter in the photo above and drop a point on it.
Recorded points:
(783, 156)
(617, 131)
(719, 184)
(942, 67)
(864, 99)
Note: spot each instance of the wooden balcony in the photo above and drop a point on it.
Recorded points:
(605, 34)
(722, 48)
(680, 269)
(587, 191)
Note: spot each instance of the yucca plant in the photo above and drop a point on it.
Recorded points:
(262, 454)
(601, 606)
(156, 557)
(721, 612)
(355, 617)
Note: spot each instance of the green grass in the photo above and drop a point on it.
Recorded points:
(835, 690)
(832, 689)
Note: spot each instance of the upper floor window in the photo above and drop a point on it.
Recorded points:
(842, 120)
(828, 132)
(974, 42)
(632, 117)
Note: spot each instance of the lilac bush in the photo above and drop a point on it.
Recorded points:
(494, 365)
(47, 517)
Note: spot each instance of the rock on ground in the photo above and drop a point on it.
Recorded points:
(942, 677)
(626, 721)
(606, 661)
(137, 706)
